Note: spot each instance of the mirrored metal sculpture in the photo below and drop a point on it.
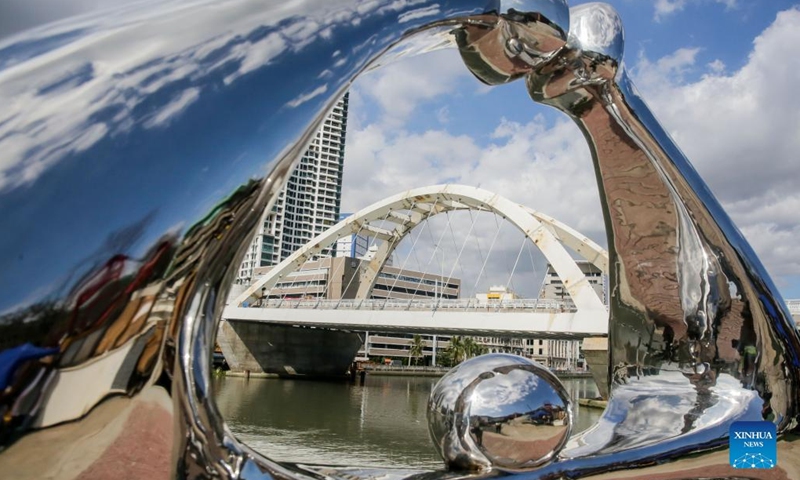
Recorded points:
(138, 146)
(499, 410)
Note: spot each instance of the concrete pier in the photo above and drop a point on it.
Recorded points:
(263, 348)
(595, 350)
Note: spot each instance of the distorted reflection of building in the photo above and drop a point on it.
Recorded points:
(105, 336)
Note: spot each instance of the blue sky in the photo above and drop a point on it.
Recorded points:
(719, 74)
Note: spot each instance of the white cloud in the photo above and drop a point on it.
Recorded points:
(740, 129)
(664, 8)
(443, 115)
(418, 13)
(303, 98)
(717, 66)
(742, 132)
(651, 75)
(546, 167)
(401, 87)
(173, 108)
(132, 57)
(255, 55)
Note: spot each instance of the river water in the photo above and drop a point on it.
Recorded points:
(381, 423)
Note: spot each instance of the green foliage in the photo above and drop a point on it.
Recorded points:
(416, 350)
(445, 358)
(460, 349)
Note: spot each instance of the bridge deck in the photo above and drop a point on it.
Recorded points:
(430, 305)
(505, 322)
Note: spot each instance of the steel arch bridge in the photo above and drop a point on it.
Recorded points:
(406, 210)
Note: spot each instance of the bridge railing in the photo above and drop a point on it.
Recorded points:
(460, 304)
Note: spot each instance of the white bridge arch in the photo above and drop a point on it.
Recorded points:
(408, 209)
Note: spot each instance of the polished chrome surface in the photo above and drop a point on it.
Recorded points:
(499, 410)
(138, 145)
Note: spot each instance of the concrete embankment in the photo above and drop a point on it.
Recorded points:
(401, 372)
(439, 372)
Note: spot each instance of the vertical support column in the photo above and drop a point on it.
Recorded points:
(435, 348)
(595, 351)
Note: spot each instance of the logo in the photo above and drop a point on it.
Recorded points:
(753, 445)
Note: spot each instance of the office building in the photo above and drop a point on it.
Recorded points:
(563, 354)
(553, 288)
(354, 245)
(335, 278)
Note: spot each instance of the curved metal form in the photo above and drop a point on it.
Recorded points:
(408, 209)
(138, 146)
(475, 424)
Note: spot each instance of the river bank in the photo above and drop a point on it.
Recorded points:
(388, 371)
(440, 371)
(380, 422)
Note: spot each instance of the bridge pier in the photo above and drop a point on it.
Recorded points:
(286, 350)
(595, 351)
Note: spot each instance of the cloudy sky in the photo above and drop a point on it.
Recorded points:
(719, 74)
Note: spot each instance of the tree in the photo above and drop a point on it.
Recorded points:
(472, 348)
(445, 358)
(416, 349)
(457, 350)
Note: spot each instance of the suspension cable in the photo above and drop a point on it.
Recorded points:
(489, 252)
(403, 266)
(511, 273)
(433, 254)
(533, 264)
(458, 257)
(353, 276)
(480, 253)
(519, 254)
(455, 247)
(332, 274)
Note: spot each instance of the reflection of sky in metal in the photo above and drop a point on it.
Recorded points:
(519, 391)
(87, 102)
(658, 418)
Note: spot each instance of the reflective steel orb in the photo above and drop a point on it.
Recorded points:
(499, 411)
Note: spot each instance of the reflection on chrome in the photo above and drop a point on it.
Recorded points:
(133, 165)
(499, 410)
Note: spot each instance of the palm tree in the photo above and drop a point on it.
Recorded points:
(472, 348)
(457, 349)
(416, 349)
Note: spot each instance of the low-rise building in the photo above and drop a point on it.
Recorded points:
(339, 278)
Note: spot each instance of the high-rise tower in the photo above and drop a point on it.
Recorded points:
(310, 201)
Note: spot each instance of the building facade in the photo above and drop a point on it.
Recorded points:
(553, 287)
(310, 201)
(354, 245)
(335, 278)
(339, 278)
(563, 354)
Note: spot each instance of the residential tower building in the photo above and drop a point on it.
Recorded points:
(310, 201)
